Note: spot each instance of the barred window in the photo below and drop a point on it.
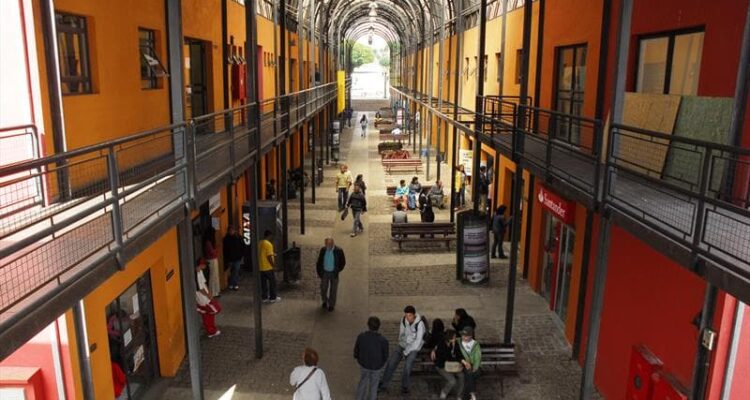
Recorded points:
(73, 52)
(151, 68)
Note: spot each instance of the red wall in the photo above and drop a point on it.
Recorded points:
(740, 384)
(648, 300)
(37, 352)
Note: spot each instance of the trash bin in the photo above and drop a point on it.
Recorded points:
(292, 264)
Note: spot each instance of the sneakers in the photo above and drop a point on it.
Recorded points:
(217, 333)
(444, 395)
(266, 300)
(276, 300)
(472, 396)
(353, 234)
(235, 287)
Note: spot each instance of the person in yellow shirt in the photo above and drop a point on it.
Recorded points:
(343, 182)
(460, 187)
(266, 264)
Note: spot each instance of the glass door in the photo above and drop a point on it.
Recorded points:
(564, 271)
(551, 253)
(570, 82)
(131, 331)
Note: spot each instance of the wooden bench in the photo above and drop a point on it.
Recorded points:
(383, 121)
(411, 232)
(497, 360)
(407, 163)
(389, 137)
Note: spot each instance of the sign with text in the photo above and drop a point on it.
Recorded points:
(466, 158)
(563, 210)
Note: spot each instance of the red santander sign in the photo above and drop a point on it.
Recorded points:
(563, 210)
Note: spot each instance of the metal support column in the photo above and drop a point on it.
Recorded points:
(284, 115)
(84, 359)
(456, 99)
(430, 79)
(501, 62)
(703, 354)
(440, 68)
(518, 146)
(539, 51)
(479, 106)
(600, 268)
(250, 213)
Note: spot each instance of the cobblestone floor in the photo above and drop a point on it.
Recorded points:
(379, 280)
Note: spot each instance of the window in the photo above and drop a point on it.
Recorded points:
(486, 71)
(151, 67)
(669, 63)
(499, 69)
(519, 59)
(569, 84)
(466, 69)
(73, 52)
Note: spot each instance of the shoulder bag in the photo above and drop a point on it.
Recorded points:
(306, 379)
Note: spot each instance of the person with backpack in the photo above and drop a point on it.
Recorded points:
(371, 352)
(363, 123)
(308, 380)
(411, 336)
(358, 205)
(447, 358)
(472, 360)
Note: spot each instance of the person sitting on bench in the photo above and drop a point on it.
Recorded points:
(402, 194)
(399, 216)
(436, 194)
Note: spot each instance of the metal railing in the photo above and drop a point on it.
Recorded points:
(695, 193)
(19, 144)
(97, 199)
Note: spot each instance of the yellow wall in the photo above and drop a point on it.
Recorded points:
(158, 260)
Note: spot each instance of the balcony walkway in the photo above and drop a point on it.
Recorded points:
(378, 280)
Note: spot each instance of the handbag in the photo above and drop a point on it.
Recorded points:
(453, 367)
(344, 213)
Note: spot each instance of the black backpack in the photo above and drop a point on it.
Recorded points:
(422, 319)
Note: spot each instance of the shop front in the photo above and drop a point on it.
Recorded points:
(556, 253)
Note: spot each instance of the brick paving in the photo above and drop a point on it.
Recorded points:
(378, 280)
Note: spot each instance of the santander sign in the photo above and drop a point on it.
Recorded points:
(562, 209)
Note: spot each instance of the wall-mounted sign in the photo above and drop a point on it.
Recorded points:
(246, 233)
(563, 210)
(214, 203)
(466, 158)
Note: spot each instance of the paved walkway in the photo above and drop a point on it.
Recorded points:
(378, 280)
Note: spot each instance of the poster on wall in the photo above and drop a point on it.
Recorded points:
(466, 158)
(138, 358)
(400, 117)
(472, 252)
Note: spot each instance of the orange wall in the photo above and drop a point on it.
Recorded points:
(158, 260)
(118, 106)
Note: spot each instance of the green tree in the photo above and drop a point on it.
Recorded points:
(385, 61)
(361, 54)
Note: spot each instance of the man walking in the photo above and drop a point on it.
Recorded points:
(358, 204)
(498, 231)
(331, 261)
(371, 352)
(233, 252)
(266, 265)
(343, 182)
(410, 340)
(484, 188)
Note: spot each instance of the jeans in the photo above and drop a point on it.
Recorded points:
(368, 383)
(470, 378)
(234, 272)
(452, 379)
(342, 197)
(497, 243)
(357, 215)
(329, 280)
(459, 199)
(393, 361)
(268, 285)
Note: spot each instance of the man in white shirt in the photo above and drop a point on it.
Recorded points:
(410, 340)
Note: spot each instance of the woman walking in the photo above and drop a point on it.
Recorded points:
(363, 123)
(309, 381)
(447, 357)
(360, 181)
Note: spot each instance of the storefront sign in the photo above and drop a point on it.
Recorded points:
(561, 209)
(214, 203)
(246, 234)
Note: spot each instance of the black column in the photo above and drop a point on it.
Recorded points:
(479, 106)
(284, 115)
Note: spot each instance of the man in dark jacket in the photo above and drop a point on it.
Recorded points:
(331, 261)
(371, 352)
(358, 204)
(233, 252)
(499, 223)
(462, 319)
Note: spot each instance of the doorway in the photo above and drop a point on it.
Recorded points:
(196, 83)
(559, 240)
(131, 331)
(570, 82)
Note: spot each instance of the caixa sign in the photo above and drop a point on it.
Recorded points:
(563, 210)
(246, 232)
